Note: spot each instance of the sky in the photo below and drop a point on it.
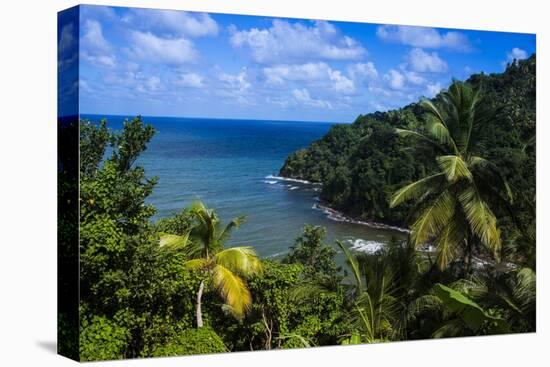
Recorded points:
(175, 63)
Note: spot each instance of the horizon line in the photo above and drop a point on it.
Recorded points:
(211, 118)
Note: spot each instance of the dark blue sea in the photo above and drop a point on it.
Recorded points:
(232, 166)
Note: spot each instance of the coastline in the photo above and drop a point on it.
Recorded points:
(335, 214)
(339, 216)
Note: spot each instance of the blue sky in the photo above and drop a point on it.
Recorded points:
(175, 63)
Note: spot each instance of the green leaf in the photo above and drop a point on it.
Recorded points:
(172, 240)
(471, 313)
(415, 189)
(454, 167)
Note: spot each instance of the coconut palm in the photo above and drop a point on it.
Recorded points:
(454, 202)
(376, 309)
(224, 269)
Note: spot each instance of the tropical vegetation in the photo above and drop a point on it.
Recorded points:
(458, 170)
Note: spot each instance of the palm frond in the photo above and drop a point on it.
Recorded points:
(234, 224)
(427, 303)
(433, 218)
(242, 260)
(172, 240)
(454, 167)
(303, 341)
(196, 264)
(490, 172)
(482, 221)
(415, 134)
(450, 329)
(440, 132)
(525, 289)
(308, 291)
(415, 189)
(232, 289)
(448, 243)
(352, 261)
(434, 111)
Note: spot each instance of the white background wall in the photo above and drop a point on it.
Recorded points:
(28, 181)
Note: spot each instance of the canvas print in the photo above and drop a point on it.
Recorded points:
(241, 183)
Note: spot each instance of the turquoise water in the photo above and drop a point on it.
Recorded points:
(232, 166)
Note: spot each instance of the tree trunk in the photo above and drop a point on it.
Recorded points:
(268, 331)
(199, 310)
(468, 257)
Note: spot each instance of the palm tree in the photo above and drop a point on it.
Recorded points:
(376, 309)
(223, 268)
(455, 212)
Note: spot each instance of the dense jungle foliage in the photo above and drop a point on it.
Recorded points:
(171, 287)
(362, 164)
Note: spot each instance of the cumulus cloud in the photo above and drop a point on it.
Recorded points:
(172, 22)
(432, 89)
(237, 82)
(67, 47)
(154, 49)
(363, 71)
(302, 96)
(340, 83)
(414, 78)
(286, 42)
(402, 79)
(319, 74)
(236, 87)
(93, 36)
(278, 74)
(67, 41)
(95, 48)
(190, 80)
(422, 61)
(395, 79)
(516, 54)
(424, 37)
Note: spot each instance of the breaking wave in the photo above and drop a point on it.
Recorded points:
(340, 217)
(280, 178)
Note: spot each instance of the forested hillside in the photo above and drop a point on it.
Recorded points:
(360, 165)
(174, 286)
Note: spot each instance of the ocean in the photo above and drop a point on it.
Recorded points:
(232, 166)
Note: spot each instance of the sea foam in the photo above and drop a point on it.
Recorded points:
(368, 247)
(340, 217)
(280, 178)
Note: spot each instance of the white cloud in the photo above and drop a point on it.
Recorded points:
(286, 42)
(395, 79)
(317, 74)
(422, 61)
(67, 40)
(153, 83)
(67, 47)
(236, 87)
(516, 54)
(173, 22)
(363, 71)
(84, 86)
(93, 37)
(95, 48)
(190, 80)
(104, 60)
(302, 97)
(432, 89)
(340, 83)
(424, 37)
(153, 49)
(414, 78)
(278, 74)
